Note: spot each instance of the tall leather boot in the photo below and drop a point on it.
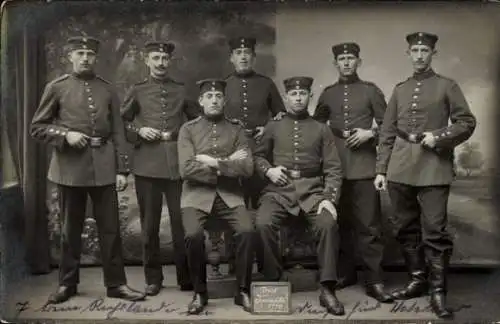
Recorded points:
(417, 286)
(438, 264)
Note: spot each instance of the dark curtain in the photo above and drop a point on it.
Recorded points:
(23, 79)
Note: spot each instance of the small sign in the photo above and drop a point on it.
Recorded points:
(271, 298)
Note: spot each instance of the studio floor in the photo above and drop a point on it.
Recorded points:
(474, 295)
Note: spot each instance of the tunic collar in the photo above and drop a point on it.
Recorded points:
(244, 74)
(300, 116)
(424, 75)
(349, 79)
(84, 76)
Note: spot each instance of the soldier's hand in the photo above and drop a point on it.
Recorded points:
(259, 133)
(76, 139)
(429, 140)
(380, 182)
(279, 115)
(328, 205)
(206, 159)
(359, 137)
(239, 155)
(121, 182)
(149, 134)
(277, 175)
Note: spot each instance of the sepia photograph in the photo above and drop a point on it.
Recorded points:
(242, 161)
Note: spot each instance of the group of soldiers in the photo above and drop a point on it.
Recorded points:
(245, 156)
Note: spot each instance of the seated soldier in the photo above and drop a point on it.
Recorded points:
(213, 156)
(298, 157)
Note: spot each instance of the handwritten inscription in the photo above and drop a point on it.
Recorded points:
(271, 298)
(100, 306)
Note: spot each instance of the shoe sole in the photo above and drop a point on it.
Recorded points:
(323, 304)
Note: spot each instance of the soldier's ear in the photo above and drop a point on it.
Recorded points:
(360, 61)
(434, 52)
(311, 94)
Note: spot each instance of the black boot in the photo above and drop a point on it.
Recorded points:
(438, 264)
(417, 286)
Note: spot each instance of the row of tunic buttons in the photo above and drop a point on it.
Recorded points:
(244, 99)
(214, 138)
(164, 107)
(296, 143)
(412, 122)
(346, 108)
(91, 106)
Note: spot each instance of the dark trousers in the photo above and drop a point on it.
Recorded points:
(420, 217)
(239, 220)
(150, 193)
(270, 218)
(73, 201)
(360, 230)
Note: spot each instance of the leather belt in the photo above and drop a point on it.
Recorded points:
(414, 138)
(95, 142)
(169, 136)
(250, 132)
(298, 174)
(344, 134)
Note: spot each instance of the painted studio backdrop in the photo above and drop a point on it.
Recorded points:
(297, 41)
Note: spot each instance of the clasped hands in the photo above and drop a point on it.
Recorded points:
(213, 162)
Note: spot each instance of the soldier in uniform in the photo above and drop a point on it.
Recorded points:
(253, 99)
(298, 157)
(154, 111)
(350, 106)
(415, 163)
(213, 156)
(79, 117)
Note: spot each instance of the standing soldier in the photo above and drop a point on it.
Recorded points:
(253, 99)
(154, 111)
(298, 157)
(416, 160)
(79, 116)
(213, 156)
(350, 106)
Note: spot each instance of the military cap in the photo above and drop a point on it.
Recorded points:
(346, 48)
(298, 82)
(422, 38)
(242, 42)
(211, 85)
(83, 42)
(157, 46)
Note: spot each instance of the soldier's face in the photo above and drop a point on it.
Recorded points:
(347, 64)
(297, 100)
(83, 60)
(158, 63)
(212, 102)
(243, 59)
(421, 57)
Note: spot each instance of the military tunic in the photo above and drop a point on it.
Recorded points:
(419, 178)
(88, 104)
(252, 98)
(209, 193)
(307, 149)
(424, 103)
(354, 103)
(350, 104)
(159, 104)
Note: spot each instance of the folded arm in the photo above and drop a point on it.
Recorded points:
(190, 168)
(263, 151)
(238, 167)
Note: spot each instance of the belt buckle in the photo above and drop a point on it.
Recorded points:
(295, 174)
(165, 136)
(412, 138)
(95, 141)
(346, 133)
